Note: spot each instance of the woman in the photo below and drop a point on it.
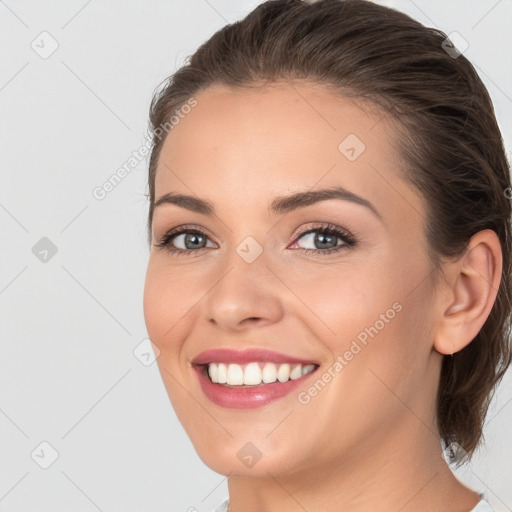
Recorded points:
(330, 271)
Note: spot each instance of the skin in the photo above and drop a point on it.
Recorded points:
(368, 440)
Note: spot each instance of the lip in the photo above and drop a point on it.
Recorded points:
(246, 397)
(227, 355)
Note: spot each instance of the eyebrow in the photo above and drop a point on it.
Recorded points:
(280, 204)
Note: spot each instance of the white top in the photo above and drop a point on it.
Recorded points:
(482, 506)
(223, 507)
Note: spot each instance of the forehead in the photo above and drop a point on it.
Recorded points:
(277, 121)
(246, 145)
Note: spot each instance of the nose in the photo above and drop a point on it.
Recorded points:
(245, 296)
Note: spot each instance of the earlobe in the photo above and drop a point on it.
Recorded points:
(474, 281)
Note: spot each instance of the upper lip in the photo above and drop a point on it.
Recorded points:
(227, 355)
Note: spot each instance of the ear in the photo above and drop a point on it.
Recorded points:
(471, 286)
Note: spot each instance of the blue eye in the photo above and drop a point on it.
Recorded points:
(192, 236)
(197, 239)
(325, 236)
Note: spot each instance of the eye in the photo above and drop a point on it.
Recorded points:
(185, 236)
(194, 240)
(326, 239)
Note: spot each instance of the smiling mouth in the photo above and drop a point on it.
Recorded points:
(254, 373)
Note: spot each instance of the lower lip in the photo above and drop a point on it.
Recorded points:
(249, 397)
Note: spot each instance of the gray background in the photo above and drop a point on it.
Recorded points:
(70, 321)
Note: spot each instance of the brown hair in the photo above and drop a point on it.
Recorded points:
(448, 134)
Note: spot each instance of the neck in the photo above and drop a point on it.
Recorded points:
(388, 473)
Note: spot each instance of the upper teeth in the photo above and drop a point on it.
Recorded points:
(255, 373)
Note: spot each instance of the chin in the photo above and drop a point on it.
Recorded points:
(245, 458)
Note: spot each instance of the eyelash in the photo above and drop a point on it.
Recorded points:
(326, 229)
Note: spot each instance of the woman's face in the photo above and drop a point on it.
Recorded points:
(360, 308)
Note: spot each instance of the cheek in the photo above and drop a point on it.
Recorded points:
(344, 299)
(164, 316)
(384, 331)
(375, 312)
(161, 304)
